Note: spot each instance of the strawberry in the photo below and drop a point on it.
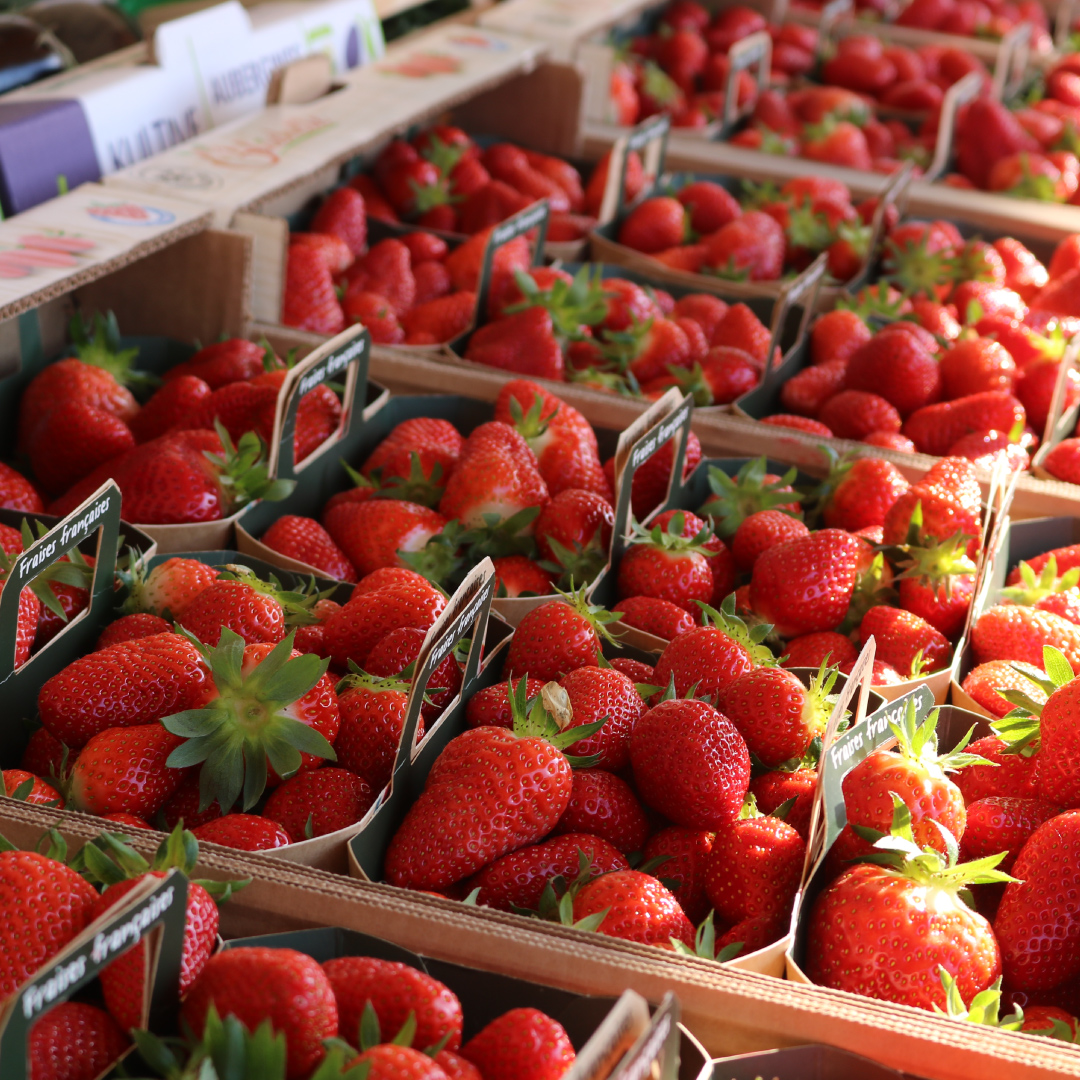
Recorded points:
(1036, 921)
(489, 792)
(654, 225)
(523, 342)
(661, 618)
(223, 362)
(372, 721)
(310, 301)
(905, 641)
(1002, 824)
(985, 133)
(690, 762)
(809, 650)
(933, 927)
(985, 683)
(974, 366)
(854, 414)
(936, 583)
(947, 500)
(894, 365)
(492, 704)
(389, 1060)
(749, 248)
(604, 806)
(1063, 461)
(834, 561)
(319, 802)
(169, 407)
(1008, 632)
(381, 533)
(17, 492)
(754, 868)
(518, 575)
(836, 143)
(125, 770)
(634, 906)
(522, 1044)
(557, 638)
(334, 251)
(440, 319)
(776, 715)
(244, 832)
(44, 754)
(47, 904)
(73, 1040)
(517, 880)
(772, 789)
(188, 476)
(685, 856)
(342, 214)
(395, 991)
(722, 376)
(305, 540)
(808, 390)
(30, 789)
(603, 694)
(662, 562)
(916, 773)
(859, 492)
(133, 683)
(183, 806)
(74, 439)
(282, 986)
(351, 633)
(396, 654)
(168, 588)
(650, 484)
(836, 335)
(573, 531)
(1065, 558)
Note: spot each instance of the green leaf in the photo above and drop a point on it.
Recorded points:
(1057, 666)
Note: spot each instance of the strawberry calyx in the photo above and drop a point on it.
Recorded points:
(622, 347)
(897, 852)
(658, 85)
(1020, 728)
(500, 536)
(98, 343)
(242, 472)
(935, 563)
(297, 604)
(755, 195)
(669, 537)
(692, 381)
(1032, 589)
(246, 725)
(1032, 185)
(984, 1008)
(916, 270)
(616, 383)
(750, 637)
(360, 679)
(549, 716)
(428, 196)
(705, 943)
(809, 229)
(572, 305)
(872, 589)
(420, 487)
(533, 424)
(443, 155)
(596, 616)
(438, 560)
(729, 271)
(735, 498)
(873, 302)
(556, 902)
(580, 563)
(108, 859)
(918, 743)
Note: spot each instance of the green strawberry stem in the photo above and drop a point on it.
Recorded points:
(984, 1008)
(547, 716)
(735, 498)
(417, 487)
(750, 637)
(98, 343)
(1033, 589)
(243, 473)
(246, 725)
(705, 943)
(599, 618)
(1020, 728)
(572, 305)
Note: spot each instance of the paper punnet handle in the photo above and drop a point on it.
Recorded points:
(649, 139)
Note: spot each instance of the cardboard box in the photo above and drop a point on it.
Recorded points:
(199, 71)
(153, 912)
(276, 160)
(604, 1031)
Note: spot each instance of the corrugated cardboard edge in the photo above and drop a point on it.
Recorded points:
(730, 1011)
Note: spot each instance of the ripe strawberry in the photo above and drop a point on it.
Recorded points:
(257, 611)
(772, 789)
(634, 906)
(305, 540)
(396, 654)
(985, 681)
(778, 589)
(916, 773)
(285, 987)
(685, 855)
(660, 618)
(168, 588)
(650, 484)
(749, 248)
(13, 784)
(372, 721)
(169, 407)
(937, 583)
(854, 414)
(836, 335)
(754, 868)
(602, 805)
(319, 802)
(389, 1060)
(342, 215)
(73, 1041)
(244, 832)
(654, 225)
(948, 499)
(918, 892)
(310, 301)
(382, 533)
(1002, 824)
(709, 656)
(524, 343)
(517, 575)
(1063, 461)
(223, 362)
(1066, 559)
(72, 440)
(522, 1044)
(665, 563)
(573, 531)
(517, 880)
(860, 491)
(809, 650)
(776, 715)
(603, 694)
(806, 392)
(1008, 632)
(905, 641)
(183, 806)
(46, 904)
(492, 705)
(395, 991)
(489, 792)
(690, 762)
(974, 366)
(895, 365)
(133, 683)
(17, 492)
(557, 638)
(1008, 775)
(124, 770)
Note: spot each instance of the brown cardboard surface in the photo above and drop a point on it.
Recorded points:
(729, 1011)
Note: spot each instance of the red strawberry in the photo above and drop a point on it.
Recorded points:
(860, 493)
(522, 1044)
(605, 695)
(305, 540)
(663, 562)
(73, 1041)
(372, 721)
(806, 392)
(342, 214)
(381, 533)
(654, 225)
(635, 907)
(439, 320)
(1007, 632)
(256, 610)
(690, 762)
(895, 366)
(397, 652)
(39, 793)
(1002, 824)
(524, 343)
(748, 248)
(985, 682)
(557, 638)
(854, 414)
(245, 832)
(394, 990)
(517, 880)
(948, 498)
(74, 439)
(517, 575)
(773, 789)
(183, 806)
(232, 360)
(685, 855)
(310, 301)
(654, 616)
(492, 705)
(602, 805)
(905, 641)
(285, 987)
(169, 587)
(319, 802)
(334, 251)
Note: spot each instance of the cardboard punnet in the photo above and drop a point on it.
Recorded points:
(276, 160)
(153, 911)
(730, 1011)
(604, 1031)
(1018, 541)
(198, 72)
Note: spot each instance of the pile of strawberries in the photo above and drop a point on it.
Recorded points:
(443, 179)
(1030, 152)
(612, 334)
(50, 898)
(1001, 826)
(968, 362)
(527, 489)
(194, 451)
(144, 728)
(383, 1017)
(765, 233)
